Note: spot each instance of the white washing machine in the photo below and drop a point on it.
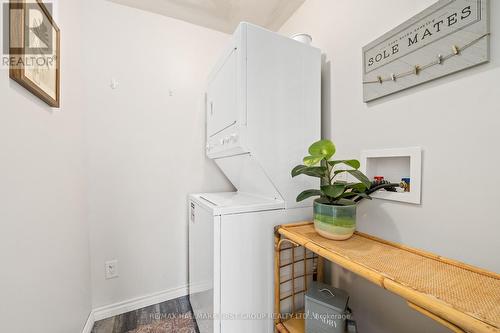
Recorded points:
(231, 271)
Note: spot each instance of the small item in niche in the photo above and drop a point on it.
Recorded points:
(405, 184)
(400, 189)
(380, 181)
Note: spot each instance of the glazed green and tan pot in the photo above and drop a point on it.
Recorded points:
(334, 222)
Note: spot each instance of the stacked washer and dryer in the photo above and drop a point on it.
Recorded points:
(263, 111)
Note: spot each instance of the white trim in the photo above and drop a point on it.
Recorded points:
(196, 288)
(89, 324)
(136, 303)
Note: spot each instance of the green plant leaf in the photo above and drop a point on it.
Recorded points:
(358, 175)
(307, 194)
(318, 172)
(298, 170)
(352, 163)
(353, 195)
(324, 200)
(324, 148)
(312, 160)
(349, 195)
(357, 187)
(333, 191)
(345, 202)
(361, 177)
(364, 196)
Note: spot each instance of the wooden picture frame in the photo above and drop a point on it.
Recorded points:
(35, 68)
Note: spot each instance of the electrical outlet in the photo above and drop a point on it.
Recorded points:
(111, 269)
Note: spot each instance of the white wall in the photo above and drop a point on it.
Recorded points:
(44, 238)
(145, 147)
(454, 119)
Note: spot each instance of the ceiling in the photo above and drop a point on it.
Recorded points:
(222, 15)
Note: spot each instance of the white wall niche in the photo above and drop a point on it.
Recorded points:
(395, 164)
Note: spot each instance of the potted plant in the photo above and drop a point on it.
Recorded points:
(335, 209)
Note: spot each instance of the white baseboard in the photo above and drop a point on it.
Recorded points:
(200, 287)
(89, 324)
(137, 303)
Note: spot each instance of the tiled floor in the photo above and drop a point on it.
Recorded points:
(174, 316)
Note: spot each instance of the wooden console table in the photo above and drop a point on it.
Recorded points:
(461, 297)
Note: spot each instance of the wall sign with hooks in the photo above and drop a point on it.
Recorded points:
(447, 37)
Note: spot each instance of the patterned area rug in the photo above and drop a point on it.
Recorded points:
(180, 324)
(173, 316)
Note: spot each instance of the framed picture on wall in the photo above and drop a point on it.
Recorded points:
(35, 49)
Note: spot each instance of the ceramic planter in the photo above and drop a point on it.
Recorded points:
(334, 222)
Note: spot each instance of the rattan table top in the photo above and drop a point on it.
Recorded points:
(450, 284)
